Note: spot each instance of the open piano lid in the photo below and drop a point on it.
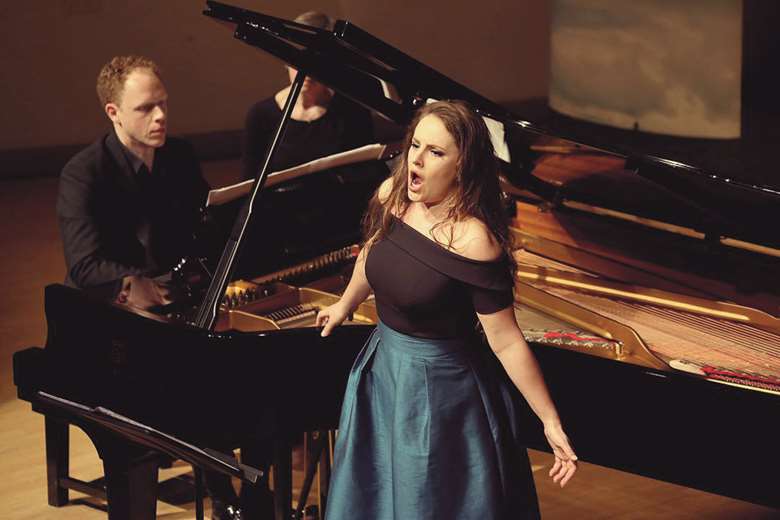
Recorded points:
(635, 180)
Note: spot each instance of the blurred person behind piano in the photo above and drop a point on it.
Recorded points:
(322, 121)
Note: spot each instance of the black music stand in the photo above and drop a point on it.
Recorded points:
(157, 441)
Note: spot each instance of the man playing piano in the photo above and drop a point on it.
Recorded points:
(128, 203)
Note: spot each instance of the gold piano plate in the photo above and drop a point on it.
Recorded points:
(282, 306)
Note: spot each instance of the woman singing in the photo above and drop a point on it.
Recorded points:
(428, 427)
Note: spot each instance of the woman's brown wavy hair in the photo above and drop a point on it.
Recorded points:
(478, 193)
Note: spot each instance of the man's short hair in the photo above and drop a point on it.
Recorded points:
(111, 80)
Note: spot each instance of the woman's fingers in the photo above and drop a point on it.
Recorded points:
(329, 318)
(327, 328)
(324, 320)
(571, 468)
(321, 319)
(562, 471)
(565, 459)
(555, 467)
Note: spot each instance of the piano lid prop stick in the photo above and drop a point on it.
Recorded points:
(207, 313)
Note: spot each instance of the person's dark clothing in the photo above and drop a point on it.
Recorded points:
(433, 292)
(117, 218)
(344, 126)
(431, 425)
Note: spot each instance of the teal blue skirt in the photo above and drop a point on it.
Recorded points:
(429, 429)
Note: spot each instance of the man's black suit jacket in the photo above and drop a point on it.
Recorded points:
(115, 222)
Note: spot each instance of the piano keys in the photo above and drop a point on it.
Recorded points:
(269, 302)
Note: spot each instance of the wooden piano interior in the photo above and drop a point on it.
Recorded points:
(664, 295)
(575, 289)
(275, 301)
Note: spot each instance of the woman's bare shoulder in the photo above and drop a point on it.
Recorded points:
(474, 240)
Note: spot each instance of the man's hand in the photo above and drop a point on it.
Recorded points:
(143, 292)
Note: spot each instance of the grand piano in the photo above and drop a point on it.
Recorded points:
(647, 288)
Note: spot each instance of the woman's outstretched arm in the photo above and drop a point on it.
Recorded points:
(507, 342)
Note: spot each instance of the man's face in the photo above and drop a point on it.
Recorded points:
(140, 114)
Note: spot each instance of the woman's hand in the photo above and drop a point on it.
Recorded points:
(565, 460)
(331, 317)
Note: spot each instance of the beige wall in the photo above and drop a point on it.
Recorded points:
(53, 49)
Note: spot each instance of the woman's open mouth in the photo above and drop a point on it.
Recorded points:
(415, 181)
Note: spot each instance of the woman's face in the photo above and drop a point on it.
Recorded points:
(432, 162)
(310, 86)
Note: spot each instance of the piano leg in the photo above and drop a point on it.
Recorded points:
(324, 474)
(57, 453)
(198, 492)
(282, 478)
(316, 462)
(131, 480)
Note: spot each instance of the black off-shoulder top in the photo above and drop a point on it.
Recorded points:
(423, 289)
